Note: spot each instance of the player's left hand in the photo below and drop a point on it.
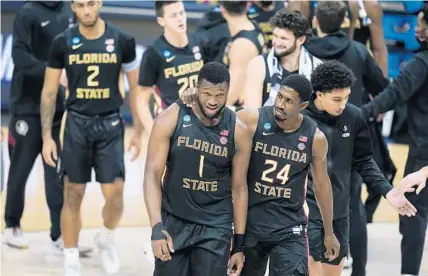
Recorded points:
(135, 145)
(397, 200)
(333, 247)
(189, 96)
(414, 179)
(236, 264)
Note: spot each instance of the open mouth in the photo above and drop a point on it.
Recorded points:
(211, 109)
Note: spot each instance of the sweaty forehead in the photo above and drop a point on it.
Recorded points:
(289, 92)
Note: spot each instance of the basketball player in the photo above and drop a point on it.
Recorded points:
(34, 27)
(245, 34)
(93, 55)
(410, 87)
(285, 143)
(171, 64)
(206, 151)
(265, 72)
(262, 12)
(349, 147)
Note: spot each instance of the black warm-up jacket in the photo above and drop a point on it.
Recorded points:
(34, 28)
(350, 148)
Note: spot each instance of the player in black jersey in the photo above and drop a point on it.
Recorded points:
(206, 151)
(262, 12)
(349, 148)
(285, 145)
(245, 34)
(93, 55)
(171, 64)
(265, 72)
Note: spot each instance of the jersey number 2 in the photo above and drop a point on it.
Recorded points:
(94, 71)
(187, 82)
(281, 175)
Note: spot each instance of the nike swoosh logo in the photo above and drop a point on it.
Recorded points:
(268, 133)
(170, 59)
(44, 24)
(187, 125)
(74, 47)
(115, 123)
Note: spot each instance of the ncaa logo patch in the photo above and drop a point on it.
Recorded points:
(223, 140)
(75, 40)
(166, 53)
(267, 126)
(21, 127)
(301, 146)
(186, 118)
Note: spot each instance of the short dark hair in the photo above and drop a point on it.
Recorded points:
(215, 73)
(159, 6)
(330, 15)
(294, 21)
(300, 84)
(331, 75)
(235, 7)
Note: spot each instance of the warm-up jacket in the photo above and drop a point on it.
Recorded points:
(369, 80)
(350, 148)
(34, 28)
(410, 86)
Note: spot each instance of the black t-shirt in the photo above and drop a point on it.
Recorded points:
(277, 175)
(170, 69)
(197, 181)
(93, 68)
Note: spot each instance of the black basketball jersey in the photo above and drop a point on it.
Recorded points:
(171, 69)
(268, 79)
(255, 36)
(277, 176)
(93, 68)
(197, 181)
(262, 18)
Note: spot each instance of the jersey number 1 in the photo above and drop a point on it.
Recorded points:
(94, 71)
(281, 175)
(201, 165)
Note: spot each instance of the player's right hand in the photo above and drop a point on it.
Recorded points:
(49, 152)
(333, 247)
(418, 179)
(189, 96)
(162, 248)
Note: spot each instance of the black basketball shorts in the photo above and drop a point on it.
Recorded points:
(316, 239)
(199, 250)
(288, 256)
(92, 142)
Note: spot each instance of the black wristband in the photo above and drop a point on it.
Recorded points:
(157, 232)
(238, 243)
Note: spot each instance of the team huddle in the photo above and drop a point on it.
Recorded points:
(228, 188)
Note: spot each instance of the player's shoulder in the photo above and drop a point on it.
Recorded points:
(248, 115)
(168, 117)
(158, 46)
(122, 34)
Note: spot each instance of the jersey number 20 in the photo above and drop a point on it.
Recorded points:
(187, 82)
(281, 175)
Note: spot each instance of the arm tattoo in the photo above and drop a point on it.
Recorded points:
(47, 111)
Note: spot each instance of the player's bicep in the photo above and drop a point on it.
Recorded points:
(241, 159)
(319, 156)
(254, 82)
(159, 141)
(57, 53)
(132, 77)
(52, 78)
